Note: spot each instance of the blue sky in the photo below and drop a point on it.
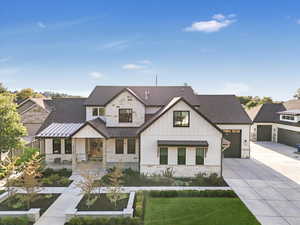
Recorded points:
(239, 47)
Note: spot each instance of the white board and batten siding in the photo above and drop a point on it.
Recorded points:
(163, 129)
(245, 137)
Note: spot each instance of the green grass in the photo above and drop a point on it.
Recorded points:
(197, 211)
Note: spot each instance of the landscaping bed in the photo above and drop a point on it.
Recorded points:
(104, 221)
(133, 178)
(22, 220)
(103, 203)
(17, 203)
(51, 178)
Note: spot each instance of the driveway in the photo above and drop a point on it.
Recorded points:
(268, 183)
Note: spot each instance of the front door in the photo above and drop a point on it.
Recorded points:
(95, 151)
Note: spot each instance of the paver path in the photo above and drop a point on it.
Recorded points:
(268, 183)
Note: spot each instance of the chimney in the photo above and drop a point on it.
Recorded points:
(147, 93)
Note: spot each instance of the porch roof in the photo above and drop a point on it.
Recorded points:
(60, 130)
(182, 143)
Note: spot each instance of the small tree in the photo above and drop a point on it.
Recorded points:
(11, 128)
(87, 185)
(8, 168)
(115, 180)
(30, 178)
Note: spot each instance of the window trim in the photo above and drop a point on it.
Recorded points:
(54, 150)
(116, 149)
(67, 152)
(181, 148)
(134, 145)
(180, 111)
(131, 117)
(167, 155)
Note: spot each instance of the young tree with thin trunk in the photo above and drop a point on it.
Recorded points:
(115, 180)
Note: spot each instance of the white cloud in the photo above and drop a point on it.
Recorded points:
(115, 45)
(218, 17)
(4, 59)
(41, 25)
(235, 88)
(8, 71)
(218, 22)
(145, 62)
(132, 67)
(96, 75)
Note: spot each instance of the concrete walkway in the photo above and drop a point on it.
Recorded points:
(55, 214)
(268, 183)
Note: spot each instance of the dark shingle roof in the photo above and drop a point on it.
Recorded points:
(156, 95)
(268, 112)
(224, 109)
(65, 110)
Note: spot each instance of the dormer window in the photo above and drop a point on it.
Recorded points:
(98, 111)
(288, 117)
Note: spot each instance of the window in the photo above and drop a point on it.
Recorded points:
(56, 146)
(98, 111)
(163, 156)
(288, 117)
(131, 146)
(125, 115)
(181, 119)
(181, 155)
(68, 146)
(200, 152)
(119, 146)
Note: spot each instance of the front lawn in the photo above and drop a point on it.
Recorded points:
(17, 203)
(197, 211)
(103, 203)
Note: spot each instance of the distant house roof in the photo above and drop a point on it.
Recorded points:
(269, 112)
(149, 95)
(28, 103)
(223, 109)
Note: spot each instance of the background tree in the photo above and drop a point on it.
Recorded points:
(2, 88)
(297, 95)
(250, 101)
(11, 128)
(27, 93)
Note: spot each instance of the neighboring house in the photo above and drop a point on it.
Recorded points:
(277, 122)
(146, 128)
(33, 112)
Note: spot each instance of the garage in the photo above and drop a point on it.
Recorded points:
(264, 132)
(234, 136)
(288, 137)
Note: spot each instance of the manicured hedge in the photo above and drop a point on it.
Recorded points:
(206, 193)
(104, 221)
(14, 221)
(139, 204)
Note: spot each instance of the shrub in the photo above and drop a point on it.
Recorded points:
(14, 221)
(139, 204)
(205, 193)
(168, 172)
(104, 221)
(61, 172)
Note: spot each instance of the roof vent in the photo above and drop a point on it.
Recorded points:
(147, 93)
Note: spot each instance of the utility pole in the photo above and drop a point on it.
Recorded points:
(156, 80)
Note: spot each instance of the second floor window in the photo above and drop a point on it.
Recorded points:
(181, 118)
(125, 115)
(98, 111)
(288, 117)
(56, 146)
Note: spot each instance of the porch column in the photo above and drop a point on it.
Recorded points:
(104, 153)
(74, 161)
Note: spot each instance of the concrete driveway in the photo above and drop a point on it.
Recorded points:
(268, 183)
